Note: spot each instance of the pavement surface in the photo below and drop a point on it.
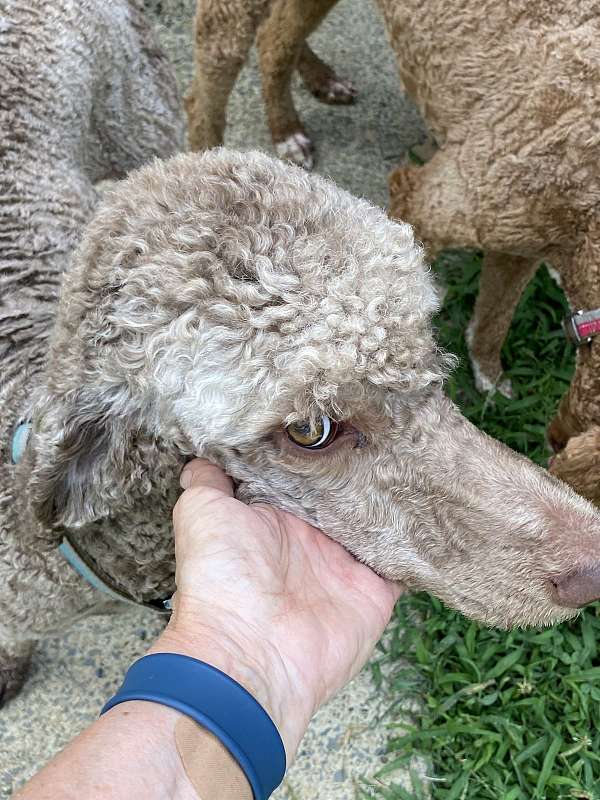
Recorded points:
(74, 674)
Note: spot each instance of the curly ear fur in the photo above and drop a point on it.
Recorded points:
(69, 486)
(100, 459)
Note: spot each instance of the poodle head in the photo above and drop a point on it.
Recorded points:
(234, 307)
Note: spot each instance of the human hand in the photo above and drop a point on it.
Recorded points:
(269, 600)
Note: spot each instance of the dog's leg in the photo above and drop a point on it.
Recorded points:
(445, 201)
(321, 80)
(280, 42)
(14, 665)
(437, 200)
(40, 595)
(503, 279)
(224, 34)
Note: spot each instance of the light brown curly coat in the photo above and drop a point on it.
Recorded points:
(509, 91)
(85, 94)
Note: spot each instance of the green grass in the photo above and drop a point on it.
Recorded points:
(539, 359)
(505, 716)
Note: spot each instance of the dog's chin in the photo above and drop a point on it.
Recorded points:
(542, 608)
(539, 616)
(555, 616)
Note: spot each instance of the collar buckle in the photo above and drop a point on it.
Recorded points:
(581, 327)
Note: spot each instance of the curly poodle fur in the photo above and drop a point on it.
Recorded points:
(77, 77)
(214, 300)
(509, 91)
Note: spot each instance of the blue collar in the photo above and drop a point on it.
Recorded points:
(69, 552)
(19, 441)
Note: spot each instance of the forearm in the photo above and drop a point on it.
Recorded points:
(129, 752)
(145, 749)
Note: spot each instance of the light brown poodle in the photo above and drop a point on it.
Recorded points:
(224, 33)
(238, 308)
(509, 91)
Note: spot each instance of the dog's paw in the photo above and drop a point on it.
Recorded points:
(335, 90)
(485, 384)
(487, 375)
(298, 149)
(12, 677)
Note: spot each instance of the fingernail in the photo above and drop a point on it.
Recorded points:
(185, 479)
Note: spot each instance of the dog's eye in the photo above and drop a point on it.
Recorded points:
(323, 433)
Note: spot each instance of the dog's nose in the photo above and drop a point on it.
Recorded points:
(579, 588)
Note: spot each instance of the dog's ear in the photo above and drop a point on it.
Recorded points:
(80, 460)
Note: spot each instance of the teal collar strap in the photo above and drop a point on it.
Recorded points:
(19, 441)
(80, 565)
(69, 551)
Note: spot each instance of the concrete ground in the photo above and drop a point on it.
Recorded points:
(357, 145)
(73, 675)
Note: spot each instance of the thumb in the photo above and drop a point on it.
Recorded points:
(201, 474)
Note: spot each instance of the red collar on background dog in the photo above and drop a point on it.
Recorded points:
(582, 326)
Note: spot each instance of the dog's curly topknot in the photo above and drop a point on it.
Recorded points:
(300, 285)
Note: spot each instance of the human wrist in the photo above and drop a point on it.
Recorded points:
(149, 730)
(218, 720)
(252, 663)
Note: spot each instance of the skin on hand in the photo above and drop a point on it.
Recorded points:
(266, 598)
(270, 600)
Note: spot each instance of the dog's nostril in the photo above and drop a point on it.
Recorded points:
(579, 588)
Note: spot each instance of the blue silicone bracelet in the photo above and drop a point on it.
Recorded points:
(216, 702)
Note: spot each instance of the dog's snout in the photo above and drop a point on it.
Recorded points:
(578, 588)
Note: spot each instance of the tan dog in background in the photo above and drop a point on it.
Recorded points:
(509, 92)
(224, 32)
